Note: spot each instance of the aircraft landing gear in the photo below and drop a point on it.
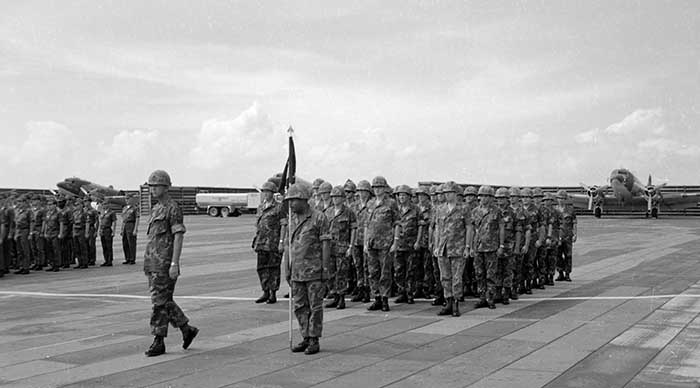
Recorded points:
(655, 213)
(646, 215)
(597, 212)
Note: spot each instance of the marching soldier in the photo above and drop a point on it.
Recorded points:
(379, 246)
(423, 254)
(308, 267)
(79, 241)
(50, 231)
(161, 264)
(469, 279)
(129, 230)
(487, 234)
(92, 217)
(265, 243)
(522, 245)
(567, 236)
(451, 247)
(358, 256)
(513, 228)
(406, 259)
(108, 219)
(343, 227)
(22, 225)
(36, 238)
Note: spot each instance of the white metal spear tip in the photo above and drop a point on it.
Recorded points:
(290, 131)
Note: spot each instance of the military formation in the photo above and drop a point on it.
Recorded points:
(51, 233)
(443, 242)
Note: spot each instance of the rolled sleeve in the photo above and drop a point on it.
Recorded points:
(178, 228)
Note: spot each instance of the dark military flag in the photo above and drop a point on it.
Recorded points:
(290, 168)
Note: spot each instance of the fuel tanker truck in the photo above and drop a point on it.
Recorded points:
(228, 204)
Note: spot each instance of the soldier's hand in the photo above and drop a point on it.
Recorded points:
(523, 250)
(538, 244)
(472, 253)
(499, 252)
(466, 253)
(136, 233)
(416, 246)
(348, 253)
(573, 238)
(393, 247)
(174, 271)
(548, 241)
(280, 247)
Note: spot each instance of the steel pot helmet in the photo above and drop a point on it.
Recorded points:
(363, 185)
(562, 194)
(269, 186)
(440, 189)
(502, 192)
(422, 191)
(450, 187)
(298, 191)
(159, 178)
(537, 192)
(548, 197)
(338, 191)
(317, 183)
(403, 189)
(379, 181)
(526, 192)
(325, 187)
(349, 186)
(470, 190)
(514, 192)
(485, 191)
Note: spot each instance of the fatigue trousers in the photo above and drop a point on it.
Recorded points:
(24, 251)
(53, 252)
(565, 256)
(106, 241)
(451, 271)
(129, 245)
(406, 271)
(308, 306)
(11, 251)
(269, 271)
(518, 277)
(468, 277)
(358, 256)
(3, 265)
(504, 271)
(339, 282)
(165, 310)
(38, 246)
(66, 251)
(92, 248)
(80, 246)
(485, 266)
(551, 259)
(540, 264)
(428, 282)
(436, 274)
(380, 264)
(529, 262)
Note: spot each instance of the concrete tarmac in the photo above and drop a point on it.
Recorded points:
(629, 318)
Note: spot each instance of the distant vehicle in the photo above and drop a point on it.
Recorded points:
(629, 193)
(228, 204)
(78, 187)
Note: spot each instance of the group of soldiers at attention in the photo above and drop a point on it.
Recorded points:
(51, 233)
(443, 242)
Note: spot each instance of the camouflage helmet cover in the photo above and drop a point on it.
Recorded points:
(379, 181)
(470, 190)
(562, 194)
(486, 191)
(338, 191)
(317, 183)
(269, 186)
(298, 191)
(537, 192)
(325, 187)
(159, 178)
(363, 185)
(502, 192)
(403, 189)
(514, 191)
(526, 192)
(349, 186)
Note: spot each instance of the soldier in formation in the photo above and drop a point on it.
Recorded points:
(129, 229)
(266, 243)
(107, 222)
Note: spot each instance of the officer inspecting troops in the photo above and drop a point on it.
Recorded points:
(307, 264)
(265, 243)
(381, 236)
(129, 229)
(161, 264)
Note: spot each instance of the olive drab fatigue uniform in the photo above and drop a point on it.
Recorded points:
(406, 264)
(53, 245)
(468, 277)
(129, 218)
(108, 218)
(451, 230)
(552, 249)
(165, 222)
(566, 234)
(425, 257)
(361, 271)
(80, 248)
(521, 218)
(65, 221)
(432, 243)
(22, 224)
(36, 238)
(341, 222)
(529, 260)
(307, 232)
(10, 244)
(540, 263)
(379, 235)
(266, 242)
(506, 262)
(92, 217)
(487, 221)
(4, 249)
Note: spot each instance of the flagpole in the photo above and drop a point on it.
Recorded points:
(289, 251)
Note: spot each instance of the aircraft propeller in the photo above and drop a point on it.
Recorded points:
(593, 192)
(651, 190)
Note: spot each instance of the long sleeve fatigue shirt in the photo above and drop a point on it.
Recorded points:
(424, 213)
(37, 221)
(534, 216)
(268, 226)
(383, 217)
(451, 229)
(487, 221)
(362, 215)
(307, 232)
(511, 226)
(408, 227)
(521, 217)
(567, 222)
(341, 224)
(22, 221)
(51, 224)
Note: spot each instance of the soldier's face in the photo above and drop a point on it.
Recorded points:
(451, 196)
(349, 195)
(514, 200)
(503, 201)
(484, 200)
(403, 198)
(266, 195)
(441, 197)
(325, 196)
(298, 205)
(378, 192)
(560, 202)
(157, 192)
(338, 200)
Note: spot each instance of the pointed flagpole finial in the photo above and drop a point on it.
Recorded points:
(290, 131)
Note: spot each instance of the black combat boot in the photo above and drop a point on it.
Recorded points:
(157, 347)
(286, 296)
(550, 280)
(301, 346)
(567, 277)
(365, 295)
(455, 309)
(314, 347)
(499, 295)
(506, 296)
(409, 299)
(385, 304)
(540, 283)
(490, 302)
(333, 303)
(528, 287)
(439, 301)
(188, 334)
(403, 298)
(560, 278)
(419, 293)
(359, 296)
(50, 268)
(447, 310)
(341, 302)
(265, 296)
(377, 305)
(273, 298)
(481, 304)
(513, 295)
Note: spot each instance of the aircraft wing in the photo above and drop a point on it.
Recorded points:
(679, 201)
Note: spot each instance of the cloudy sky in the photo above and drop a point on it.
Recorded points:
(526, 92)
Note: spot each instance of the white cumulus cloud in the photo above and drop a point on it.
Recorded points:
(641, 120)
